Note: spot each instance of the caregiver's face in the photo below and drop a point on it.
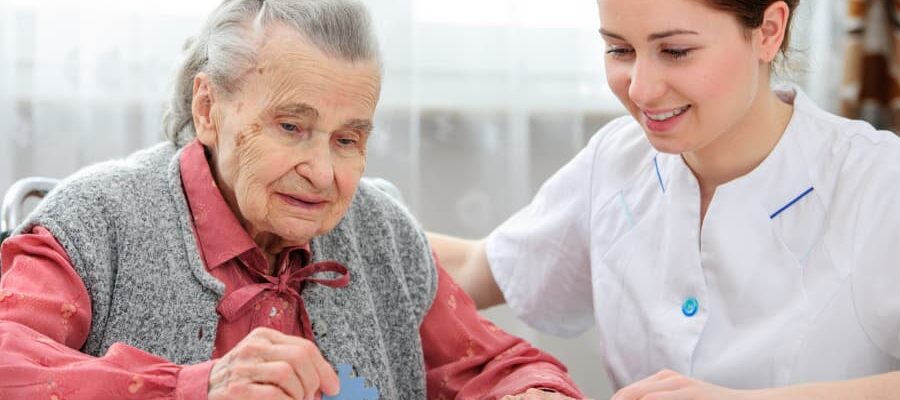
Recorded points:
(289, 147)
(686, 72)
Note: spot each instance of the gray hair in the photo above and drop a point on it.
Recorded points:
(228, 42)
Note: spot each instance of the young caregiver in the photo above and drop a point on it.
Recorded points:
(730, 240)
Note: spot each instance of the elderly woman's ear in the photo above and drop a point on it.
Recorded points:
(202, 108)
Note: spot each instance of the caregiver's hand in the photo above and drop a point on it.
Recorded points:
(268, 364)
(670, 385)
(538, 394)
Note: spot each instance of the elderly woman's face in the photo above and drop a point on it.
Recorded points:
(289, 147)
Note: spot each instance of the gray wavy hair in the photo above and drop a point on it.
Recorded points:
(229, 39)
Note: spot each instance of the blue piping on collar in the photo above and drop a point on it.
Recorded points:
(794, 201)
(658, 175)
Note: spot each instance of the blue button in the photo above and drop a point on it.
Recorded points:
(690, 307)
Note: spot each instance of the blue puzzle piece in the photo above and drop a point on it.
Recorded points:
(352, 387)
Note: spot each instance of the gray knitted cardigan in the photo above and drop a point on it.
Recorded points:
(126, 226)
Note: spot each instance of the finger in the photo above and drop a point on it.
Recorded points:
(639, 392)
(236, 378)
(315, 372)
(279, 374)
(298, 351)
(664, 381)
(330, 383)
(309, 377)
(248, 391)
(257, 391)
(276, 337)
(318, 375)
(310, 367)
(680, 394)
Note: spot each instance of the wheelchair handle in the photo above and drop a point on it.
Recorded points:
(22, 189)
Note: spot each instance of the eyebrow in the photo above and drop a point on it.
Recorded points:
(306, 110)
(653, 36)
(360, 124)
(298, 109)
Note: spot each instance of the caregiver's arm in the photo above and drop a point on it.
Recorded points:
(467, 263)
(670, 385)
(876, 387)
(468, 357)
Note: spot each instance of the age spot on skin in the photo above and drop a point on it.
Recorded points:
(247, 144)
(254, 130)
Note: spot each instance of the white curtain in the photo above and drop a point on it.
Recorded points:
(482, 100)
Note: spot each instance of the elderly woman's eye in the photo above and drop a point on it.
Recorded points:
(290, 127)
(347, 142)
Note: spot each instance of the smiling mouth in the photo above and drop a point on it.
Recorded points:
(671, 114)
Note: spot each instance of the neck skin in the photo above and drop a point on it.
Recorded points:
(743, 148)
(270, 244)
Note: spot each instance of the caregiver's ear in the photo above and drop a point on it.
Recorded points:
(773, 30)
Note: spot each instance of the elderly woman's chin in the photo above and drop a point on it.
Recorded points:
(297, 231)
(300, 227)
(292, 223)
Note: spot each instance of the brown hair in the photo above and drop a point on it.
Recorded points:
(750, 14)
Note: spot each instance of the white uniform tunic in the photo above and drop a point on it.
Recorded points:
(794, 276)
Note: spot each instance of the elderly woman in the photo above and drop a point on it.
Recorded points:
(243, 259)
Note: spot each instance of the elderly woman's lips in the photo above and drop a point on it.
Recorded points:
(307, 203)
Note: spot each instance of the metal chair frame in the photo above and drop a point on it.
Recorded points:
(14, 199)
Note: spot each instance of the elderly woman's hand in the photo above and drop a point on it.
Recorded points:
(268, 364)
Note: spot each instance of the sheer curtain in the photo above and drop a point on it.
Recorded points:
(482, 100)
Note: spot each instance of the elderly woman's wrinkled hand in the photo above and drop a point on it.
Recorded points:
(268, 364)
(538, 394)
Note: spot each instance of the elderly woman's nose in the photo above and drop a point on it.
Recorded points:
(317, 167)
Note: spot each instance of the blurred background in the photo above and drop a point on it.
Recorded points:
(482, 99)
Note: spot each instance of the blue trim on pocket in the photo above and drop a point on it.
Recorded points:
(789, 205)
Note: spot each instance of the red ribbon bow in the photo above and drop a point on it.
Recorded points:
(288, 283)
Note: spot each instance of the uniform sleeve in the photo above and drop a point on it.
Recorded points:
(467, 357)
(45, 315)
(875, 253)
(540, 256)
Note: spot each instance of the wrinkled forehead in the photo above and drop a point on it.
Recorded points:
(291, 77)
(282, 50)
(288, 67)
